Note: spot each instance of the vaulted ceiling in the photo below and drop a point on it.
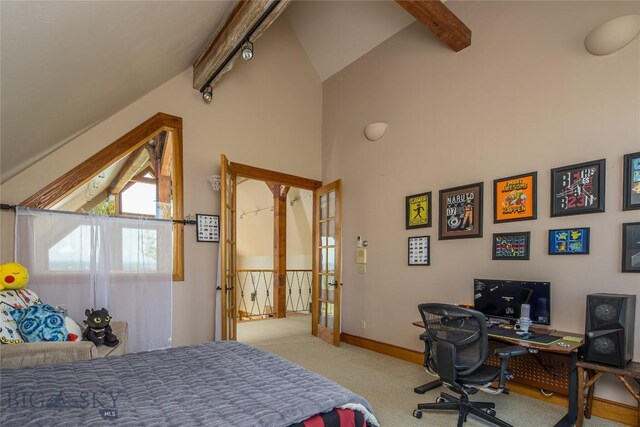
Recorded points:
(66, 66)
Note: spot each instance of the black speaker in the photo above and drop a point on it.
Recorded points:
(609, 329)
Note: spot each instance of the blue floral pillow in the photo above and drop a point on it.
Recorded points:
(40, 323)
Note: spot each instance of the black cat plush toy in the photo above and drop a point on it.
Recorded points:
(98, 329)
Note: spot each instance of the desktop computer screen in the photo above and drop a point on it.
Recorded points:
(502, 299)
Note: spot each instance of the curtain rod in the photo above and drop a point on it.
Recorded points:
(7, 207)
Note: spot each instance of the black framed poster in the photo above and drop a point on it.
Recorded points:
(511, 246)
(461, 212)
(578, 189)
(631, 247)
(631, 198)
(515, 198)
(569, 241)
(207, 228)
(418, 210)
(419, 250)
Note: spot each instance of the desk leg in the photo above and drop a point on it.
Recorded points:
(569, 420)
(581, 409)
(426, 387)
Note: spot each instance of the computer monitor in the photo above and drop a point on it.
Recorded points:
(502, 299)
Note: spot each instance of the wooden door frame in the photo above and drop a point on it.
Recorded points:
(283, 179)
(267, 175)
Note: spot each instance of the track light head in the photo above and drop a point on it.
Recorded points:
(207, 94)
(247, 51)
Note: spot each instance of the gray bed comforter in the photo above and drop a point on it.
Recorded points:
(212, 384)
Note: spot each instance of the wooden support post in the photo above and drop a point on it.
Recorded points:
(279, 248)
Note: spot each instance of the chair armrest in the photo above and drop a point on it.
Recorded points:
(510, 351)
(506, 353)
(44, 353)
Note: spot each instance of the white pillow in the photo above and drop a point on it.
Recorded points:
(10, 300)
(75, 332)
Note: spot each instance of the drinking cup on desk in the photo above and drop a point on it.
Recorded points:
(522, 325)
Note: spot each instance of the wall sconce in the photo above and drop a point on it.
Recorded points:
(613, 35)
(216, 182)
(375, 131)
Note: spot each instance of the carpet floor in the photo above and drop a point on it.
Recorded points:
(386, 382)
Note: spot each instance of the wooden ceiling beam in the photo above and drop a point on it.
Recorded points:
(440, 20)
(136, 161)
(167, 155)
(248, 18)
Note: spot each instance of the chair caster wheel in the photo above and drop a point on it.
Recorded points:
(417, 414)
(491, 412)
(440, 399)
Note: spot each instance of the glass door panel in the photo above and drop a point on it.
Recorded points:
(327, 243)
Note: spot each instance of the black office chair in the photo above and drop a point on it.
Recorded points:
(456, 348)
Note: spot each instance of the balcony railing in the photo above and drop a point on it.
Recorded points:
(255, 293)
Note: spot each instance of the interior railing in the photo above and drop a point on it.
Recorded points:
(255, 293)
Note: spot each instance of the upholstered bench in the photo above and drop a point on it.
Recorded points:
(45, 353)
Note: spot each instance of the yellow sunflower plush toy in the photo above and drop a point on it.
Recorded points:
(13, 276)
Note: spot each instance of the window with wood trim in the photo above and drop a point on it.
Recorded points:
(139, 174)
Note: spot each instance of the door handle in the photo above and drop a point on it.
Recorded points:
(334, 285)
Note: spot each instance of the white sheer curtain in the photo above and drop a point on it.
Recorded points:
(91, 261)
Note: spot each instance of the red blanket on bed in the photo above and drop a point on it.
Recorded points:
(335, 418)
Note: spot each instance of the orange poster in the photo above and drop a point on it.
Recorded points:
(514, 198)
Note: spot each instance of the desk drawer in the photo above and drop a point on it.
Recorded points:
(549, 371)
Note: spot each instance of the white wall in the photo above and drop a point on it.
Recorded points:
(265, 113)
(525, 96)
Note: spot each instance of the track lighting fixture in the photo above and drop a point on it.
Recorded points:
(208, 94)
(247, 50)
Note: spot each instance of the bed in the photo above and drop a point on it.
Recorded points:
(212, 384)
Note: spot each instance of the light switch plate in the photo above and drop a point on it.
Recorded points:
(361, 256)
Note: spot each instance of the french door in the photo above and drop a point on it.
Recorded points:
(327, 271)
(327, 244)
(228, 248)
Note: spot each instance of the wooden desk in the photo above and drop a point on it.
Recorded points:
(551, 367)
(594, 371)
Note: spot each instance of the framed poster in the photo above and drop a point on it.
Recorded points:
(631, 198)
(418, 211)
(207, 228)
(515, 198)
(419, 250)
(578, 189)
(569, 241)
(461, 212)
(511, 245)
(631, 247)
